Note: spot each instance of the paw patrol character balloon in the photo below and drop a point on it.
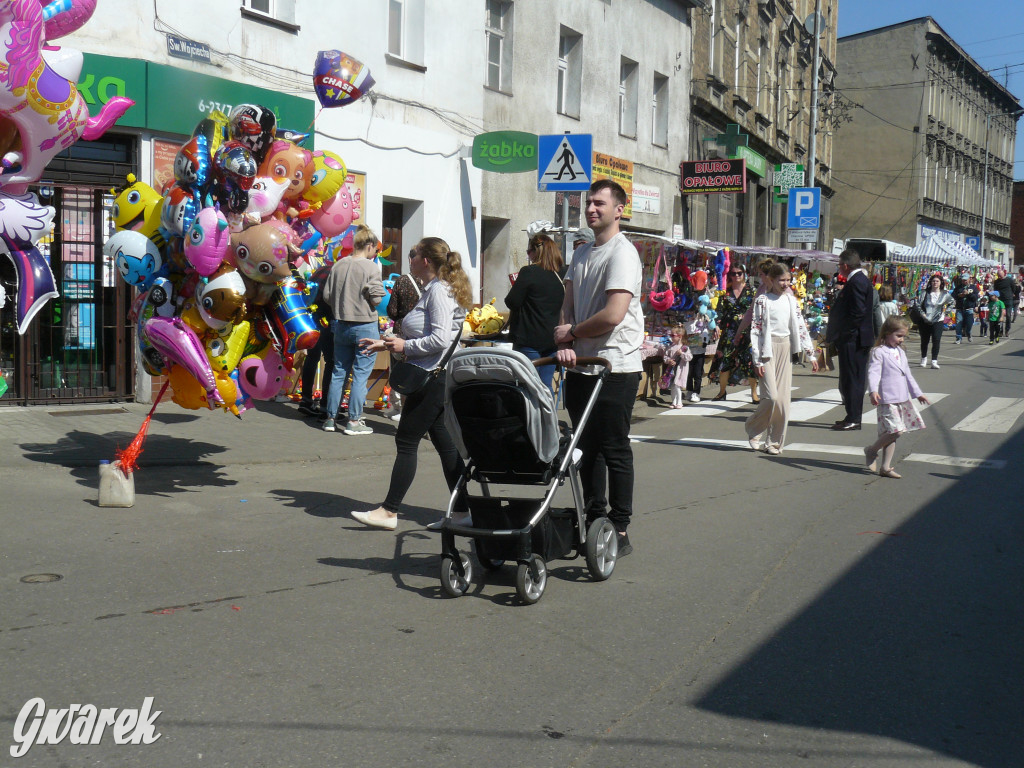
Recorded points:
(136, 258)
(340, 79)
(286, 160)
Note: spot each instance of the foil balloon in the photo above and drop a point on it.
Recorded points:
(214, 129)
(135, 257)
(261, 376)
(64, 16)
(207, 241)
(292, 319)
(340, 79)
(179, 345)
(286, 160)
(179, 210)
(254, 126)
(137, 207)
(261, 253)
(221, 300)
(192, 164)
(189, 393)
(265, 196)
(236, 170)
(22, 222)
(336, 214)
(328, 178)
(41, 99)
(225, 350)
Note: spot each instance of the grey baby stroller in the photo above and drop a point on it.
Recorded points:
(503, 421)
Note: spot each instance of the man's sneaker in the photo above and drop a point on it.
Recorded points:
(329, 425)
(396, 416)
(935, 364)
(307, 407)
(957, 341)
(624, 546)
(357, 428)
(924, 362)
(694, 397)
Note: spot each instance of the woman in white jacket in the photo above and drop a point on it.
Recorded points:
(777, 331)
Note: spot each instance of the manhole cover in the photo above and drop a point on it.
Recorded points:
(41, 578)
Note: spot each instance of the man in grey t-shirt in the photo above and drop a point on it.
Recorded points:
(601, 317)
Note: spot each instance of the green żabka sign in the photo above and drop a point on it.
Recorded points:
(174, 100)
(505, 152)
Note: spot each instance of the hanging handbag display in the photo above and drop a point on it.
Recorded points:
(661, 301)
(407, 378)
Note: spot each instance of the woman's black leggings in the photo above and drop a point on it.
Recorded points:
(930, 332)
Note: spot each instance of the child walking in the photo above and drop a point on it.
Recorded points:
(697, 335)
(996, 309)
(678, 355)
(983, 314)
(892, 389)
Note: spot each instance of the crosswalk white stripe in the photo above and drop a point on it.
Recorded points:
(871, 413)
(810, 408)
(996, 414)
(841, 450)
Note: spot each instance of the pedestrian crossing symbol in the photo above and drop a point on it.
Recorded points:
(565, 162)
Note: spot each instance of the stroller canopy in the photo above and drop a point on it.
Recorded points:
(501, 366)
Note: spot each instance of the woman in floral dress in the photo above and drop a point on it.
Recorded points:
(733, 362)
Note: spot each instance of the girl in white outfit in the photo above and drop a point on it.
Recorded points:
(777, 331)
(679, 356)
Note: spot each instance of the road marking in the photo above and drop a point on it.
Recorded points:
(871, 412)
(810, 408)
(957, 461)
(843, 450)
(996, 414)
(709, 408)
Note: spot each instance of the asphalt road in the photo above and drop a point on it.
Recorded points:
(777, 611)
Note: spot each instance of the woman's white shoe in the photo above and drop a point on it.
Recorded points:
(377, 518)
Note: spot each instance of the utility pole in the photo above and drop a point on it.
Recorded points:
(812, 158)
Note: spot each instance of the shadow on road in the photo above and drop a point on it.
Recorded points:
(921, 641)
(167, 464)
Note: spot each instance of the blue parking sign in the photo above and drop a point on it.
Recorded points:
(804, 210)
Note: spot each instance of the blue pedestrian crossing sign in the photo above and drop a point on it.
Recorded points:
(565, 162)
(804, 208)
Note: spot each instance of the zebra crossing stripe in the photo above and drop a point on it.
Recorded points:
(871, 415)
(996, 414)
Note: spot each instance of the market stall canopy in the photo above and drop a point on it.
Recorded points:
(942, 252)
(784, 253)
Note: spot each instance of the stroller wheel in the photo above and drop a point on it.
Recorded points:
(488, 563)
(602, 548)
(453, 584)
(530, 586)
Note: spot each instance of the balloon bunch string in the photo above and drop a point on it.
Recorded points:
(129, 457)
(309, 128)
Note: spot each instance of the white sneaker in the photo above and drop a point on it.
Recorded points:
(357, 428)
(935, 364)
(924, 362)
(957, 341)
(397, 417)
(694, 397)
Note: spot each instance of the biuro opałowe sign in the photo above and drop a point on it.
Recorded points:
(703, 177)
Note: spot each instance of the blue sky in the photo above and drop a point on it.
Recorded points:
(991, 31)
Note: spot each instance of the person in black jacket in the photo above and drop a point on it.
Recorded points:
(966, 296)
(850, 328)
(1004, 284)
(535, 302)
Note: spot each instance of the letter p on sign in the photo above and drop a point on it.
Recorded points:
(804, 208)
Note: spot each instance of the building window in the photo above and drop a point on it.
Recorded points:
(659, 111)
(498, 41)
(570, 71)
(278, 10)
(627, 97)
(405, 30)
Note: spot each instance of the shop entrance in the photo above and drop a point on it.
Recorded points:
(79, 347)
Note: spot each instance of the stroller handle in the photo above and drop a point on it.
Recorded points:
(552, 360)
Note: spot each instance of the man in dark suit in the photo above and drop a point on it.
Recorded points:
(850, 329)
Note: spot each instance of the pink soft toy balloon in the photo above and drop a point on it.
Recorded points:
(207, 241)
(178, 344)
(336, 214)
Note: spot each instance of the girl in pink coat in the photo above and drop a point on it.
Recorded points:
(893, 390)
(678, 355)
